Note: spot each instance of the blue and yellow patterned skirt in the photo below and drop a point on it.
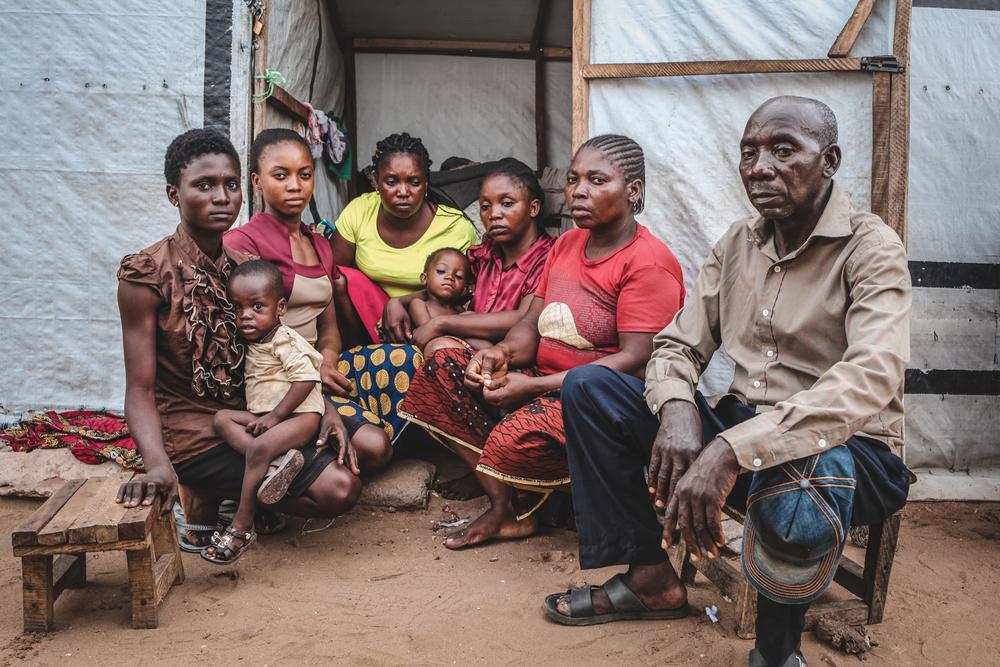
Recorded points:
(380, 375)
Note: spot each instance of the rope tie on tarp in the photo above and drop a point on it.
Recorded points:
(273, 78)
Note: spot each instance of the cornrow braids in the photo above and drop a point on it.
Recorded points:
(401, 144)
(193, 144)
(521, 173)
(627, 156)
(270, 137)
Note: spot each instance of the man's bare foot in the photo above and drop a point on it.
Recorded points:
(658, 589)
(492, 524)
(465, 487)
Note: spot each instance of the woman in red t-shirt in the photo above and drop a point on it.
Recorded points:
(607, 288)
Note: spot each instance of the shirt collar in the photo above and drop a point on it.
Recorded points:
(835, 222)
(490, 250)
(195, 254)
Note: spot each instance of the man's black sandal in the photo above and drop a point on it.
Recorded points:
(627, 606)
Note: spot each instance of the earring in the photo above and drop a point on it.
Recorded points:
(635, 206)
(177, 204)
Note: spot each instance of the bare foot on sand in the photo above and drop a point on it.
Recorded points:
(465, 487)
(493, 524)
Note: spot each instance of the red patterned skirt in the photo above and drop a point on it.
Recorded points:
(525, 447)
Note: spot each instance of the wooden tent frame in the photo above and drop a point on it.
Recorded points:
(285, 103)
(890, 93)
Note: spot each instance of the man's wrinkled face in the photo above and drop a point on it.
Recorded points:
(783, 164)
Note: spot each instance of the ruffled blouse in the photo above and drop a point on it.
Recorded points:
(199, 359)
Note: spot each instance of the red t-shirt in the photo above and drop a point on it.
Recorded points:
(636, 289)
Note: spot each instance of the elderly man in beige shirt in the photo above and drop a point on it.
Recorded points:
(811, 299)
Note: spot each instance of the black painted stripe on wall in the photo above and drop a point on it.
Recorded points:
(988, 5)
(964, 383)
(218, 60)
(955, 274)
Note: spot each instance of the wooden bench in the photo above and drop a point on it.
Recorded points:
(82, 517)
(869, 584)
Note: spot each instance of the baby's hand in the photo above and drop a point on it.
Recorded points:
(262, 424)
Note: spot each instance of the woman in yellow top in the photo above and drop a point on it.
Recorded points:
(389, 233)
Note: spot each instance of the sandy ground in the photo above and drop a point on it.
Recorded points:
(377, 588)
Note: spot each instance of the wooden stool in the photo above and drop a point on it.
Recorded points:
(870, 584)
(81, 517)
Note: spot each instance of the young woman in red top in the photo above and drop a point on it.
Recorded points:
(607, 288)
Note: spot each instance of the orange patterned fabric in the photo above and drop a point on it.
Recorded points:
(525, 447)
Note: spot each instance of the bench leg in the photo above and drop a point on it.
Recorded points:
(878, 566)
(38, 593)
(76, 574)
(165, 542)
(143, 586)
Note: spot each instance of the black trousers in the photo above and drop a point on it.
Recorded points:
(609, 435)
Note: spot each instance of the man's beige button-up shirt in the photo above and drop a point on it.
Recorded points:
(820, 337)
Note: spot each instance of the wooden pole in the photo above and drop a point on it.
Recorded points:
(346, 45)
(581, 59)
(711, 67)
(899, 123)
(537, 37)
(881, 113)
(259, 110)
(849, 35)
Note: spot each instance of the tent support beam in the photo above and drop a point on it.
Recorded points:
(346, 46)
(285, 102)
(899, 122)
(714, 67)
(581, 60)
(849, 35)
(447, 47)
(258, 86)
(537, 35)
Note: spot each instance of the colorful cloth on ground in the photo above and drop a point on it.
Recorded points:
(589, 302)
(498, 288)
(397, 270)
(381, 376)
(93, 437)
(199, 359)
(526, 447)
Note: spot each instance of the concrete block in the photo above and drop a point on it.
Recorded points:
(38, 473)
(406, 485)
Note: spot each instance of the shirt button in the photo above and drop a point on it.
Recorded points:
(757, 462)
(821, 443)
(765, 312)
(756, 384)
(770, 353)
(777, 269)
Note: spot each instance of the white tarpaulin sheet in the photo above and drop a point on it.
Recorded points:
(479, 108)
(690, 128)
(93, 94)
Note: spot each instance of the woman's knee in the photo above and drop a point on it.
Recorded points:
(443, 343)
(336, 490)
(373, 447)
(583, 381)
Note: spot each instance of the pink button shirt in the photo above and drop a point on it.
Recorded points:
(498, 289)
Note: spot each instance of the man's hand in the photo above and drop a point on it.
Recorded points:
(396, 323)
(142, 490)
(331, 428)
(678, 443)
(334, 382)
(262, 424)
(487, 367)
(695, 508)
(511, 391)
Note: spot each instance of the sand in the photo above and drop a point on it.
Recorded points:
(377, 588)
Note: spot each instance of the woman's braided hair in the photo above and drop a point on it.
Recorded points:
(396, 144)
(627, 156)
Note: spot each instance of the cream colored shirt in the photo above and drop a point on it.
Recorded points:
(272, 367)
(309, 298)
(820, 337)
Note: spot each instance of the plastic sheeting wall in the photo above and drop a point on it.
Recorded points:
(953, 221)
(690, 129)
(293, 32)
(86, 124)
(479, 108)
